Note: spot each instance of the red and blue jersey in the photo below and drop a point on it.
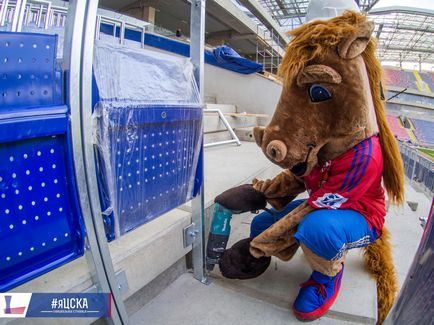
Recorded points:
(351, 181)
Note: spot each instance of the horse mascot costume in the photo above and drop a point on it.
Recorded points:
(329, 134)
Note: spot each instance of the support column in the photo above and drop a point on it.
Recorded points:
(197, 52)
(148, 15)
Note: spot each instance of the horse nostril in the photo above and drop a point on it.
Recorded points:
(276, 150)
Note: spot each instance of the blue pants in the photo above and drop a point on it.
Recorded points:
(328, 233)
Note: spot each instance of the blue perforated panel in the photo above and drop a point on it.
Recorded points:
(36, 224)
(152, 153)
(40, 222)
(28, 73)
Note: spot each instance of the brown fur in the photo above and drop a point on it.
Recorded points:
(336, 43)
(393, 171)
(311, 43)
(280, 190)
(379, 261)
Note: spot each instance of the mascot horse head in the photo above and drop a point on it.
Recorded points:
(331, 100)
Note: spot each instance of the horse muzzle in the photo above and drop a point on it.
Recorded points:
(276, 150)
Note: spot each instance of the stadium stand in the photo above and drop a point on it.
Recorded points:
(424, 131)
(428, 77)
(415, 80)
(421, 82)
(400, 78)
(398, 130)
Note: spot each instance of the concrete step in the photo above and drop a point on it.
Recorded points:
(213, 123)
(267, 299)
(224, 108)
(187, 301)
(279, 285)
(211, 137)
(245, 133)
(406, 232)
(210, 99)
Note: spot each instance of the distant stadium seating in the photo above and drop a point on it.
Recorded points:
(399, 132)
(424, 131)
(428, 77)
(421, 81)
(399, 78)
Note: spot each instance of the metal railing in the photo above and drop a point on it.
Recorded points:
(38, 13)
(14, 15)
(418, 168)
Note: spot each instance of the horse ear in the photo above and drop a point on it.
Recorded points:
(354, 44)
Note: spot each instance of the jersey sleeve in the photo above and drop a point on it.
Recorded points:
(349, 179)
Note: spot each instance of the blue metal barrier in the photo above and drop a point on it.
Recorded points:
(40, 222)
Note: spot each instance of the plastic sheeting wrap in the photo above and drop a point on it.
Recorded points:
(148, 125)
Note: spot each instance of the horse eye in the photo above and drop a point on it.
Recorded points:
(318, 93)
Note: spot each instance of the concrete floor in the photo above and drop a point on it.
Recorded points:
(267, 299)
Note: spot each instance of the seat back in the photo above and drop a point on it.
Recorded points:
(40, 223)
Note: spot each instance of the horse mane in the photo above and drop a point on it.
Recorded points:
(310, 43)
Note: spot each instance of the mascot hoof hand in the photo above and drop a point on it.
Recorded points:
(317, 295)
(241, 199)
(237, 262)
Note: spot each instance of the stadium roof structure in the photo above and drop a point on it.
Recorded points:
(290, 13)
(405, 34)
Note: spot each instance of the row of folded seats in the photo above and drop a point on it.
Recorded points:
(399, 78)
(148, 120)
(398, 130)
(423, 130)
(424, 81)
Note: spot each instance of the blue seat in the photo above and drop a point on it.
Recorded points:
(148, 149)
(40, 223)
(151, 153)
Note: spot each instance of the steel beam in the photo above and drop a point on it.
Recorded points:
(78, 53)
(197, 55)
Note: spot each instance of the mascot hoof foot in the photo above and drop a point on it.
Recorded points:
(242, 198)
(317, 295)
(237, 262)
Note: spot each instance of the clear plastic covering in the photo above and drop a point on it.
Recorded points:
(130, 76)
(148, 131)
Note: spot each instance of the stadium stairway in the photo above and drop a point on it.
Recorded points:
(242, 123)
